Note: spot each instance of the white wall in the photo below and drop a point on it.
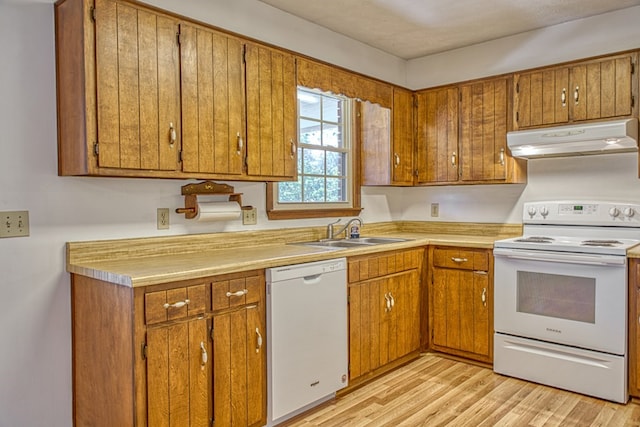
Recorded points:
(35, 357)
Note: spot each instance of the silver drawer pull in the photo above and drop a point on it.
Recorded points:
(203, 354)
(178, 304)
(237, 294)
(459, 260)
(259, 340)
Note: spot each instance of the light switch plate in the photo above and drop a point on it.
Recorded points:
(14, 224)
(249, 216)
(163, 218)
(435, 209)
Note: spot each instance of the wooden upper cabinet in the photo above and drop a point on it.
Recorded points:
(437, 136)
(483, 130)
(590, 90)
(402, 137)
(271, 93)
(137, 88)
(213, 123)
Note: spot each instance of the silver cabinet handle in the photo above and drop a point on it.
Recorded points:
(293, 148)
(484, 297)
(502, 156)
(393, 300)
(173, 137)
(453, 158)
(237, 294)
(178, 304)
(459, 260)
(386, 297)
(204, 357)
(576, 95)
(259, 340)
(240, 143)
(397, 159)
(563, 97)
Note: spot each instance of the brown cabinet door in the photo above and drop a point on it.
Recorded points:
(460, 304)
(271, 113)
(542, 98)
(212, 74)
(483, 130)
(239, 362)
(404, 290)
(437, 138)
(137, 88)
(375, 144)
(365, 335)
(402, 155)
(601, 89)
(179, 374)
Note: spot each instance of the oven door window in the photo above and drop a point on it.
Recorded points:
(555, 295)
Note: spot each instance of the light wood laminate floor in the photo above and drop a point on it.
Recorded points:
(435, 391)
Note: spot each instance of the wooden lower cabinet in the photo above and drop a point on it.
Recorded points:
(178, 354)
(634, 328)
(461, 302)
(384, 311)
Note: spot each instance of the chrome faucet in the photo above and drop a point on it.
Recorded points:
(331, 233)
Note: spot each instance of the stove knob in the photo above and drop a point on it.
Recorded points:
(532, 211)
(628, 212)
(544, 211)
(614, 212)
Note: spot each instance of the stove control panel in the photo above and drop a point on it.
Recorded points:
(582, 213)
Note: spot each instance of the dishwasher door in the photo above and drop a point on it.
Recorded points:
(307, 335)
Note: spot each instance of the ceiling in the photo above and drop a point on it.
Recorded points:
(413, 28)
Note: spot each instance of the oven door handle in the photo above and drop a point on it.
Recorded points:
(567, 258)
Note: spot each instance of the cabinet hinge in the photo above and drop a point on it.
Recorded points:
(517, 87)
(211, 333)
(415, 173)
(460, 96)
(633, 101)
(244, 54)
(93, 13)
(633, 67)
(180, 156)
(96, 150)
(517, 116)
(144, 351)
(178, 39)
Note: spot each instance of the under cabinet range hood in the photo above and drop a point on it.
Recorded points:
(616, 136)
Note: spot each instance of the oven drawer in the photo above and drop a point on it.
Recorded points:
(462, 259)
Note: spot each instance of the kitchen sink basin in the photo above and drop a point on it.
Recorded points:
(352, 243)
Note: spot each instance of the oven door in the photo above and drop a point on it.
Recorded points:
(566, 298)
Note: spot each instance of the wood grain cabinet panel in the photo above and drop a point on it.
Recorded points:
(462, 134)
(460, 303)
(384, 311)
(213, 122)
(596, 89)
(271, 113)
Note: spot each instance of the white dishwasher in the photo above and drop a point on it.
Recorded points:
(307, 337)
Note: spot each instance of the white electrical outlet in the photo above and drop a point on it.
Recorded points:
(249, 216)
(435, 209)
(14, 224)
(163, 218)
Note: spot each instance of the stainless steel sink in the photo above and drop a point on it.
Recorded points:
(353, 243)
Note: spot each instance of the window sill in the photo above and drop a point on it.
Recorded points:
(312, 213)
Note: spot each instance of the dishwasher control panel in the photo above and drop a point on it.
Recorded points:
(307, 269)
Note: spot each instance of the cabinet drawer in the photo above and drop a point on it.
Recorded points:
(463, 259)
(236, 292)
(172, 304)
(371, 266)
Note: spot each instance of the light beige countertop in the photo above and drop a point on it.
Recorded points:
(151, 261)
(634, 252)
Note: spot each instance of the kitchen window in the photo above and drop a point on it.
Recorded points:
(327, 183)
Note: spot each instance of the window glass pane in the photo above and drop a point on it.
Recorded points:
(310, 132)
(331, 110)
(300, 160)
(312, 162)
(309, 104)
(331, 136)
(335, 190)
(290, 192)
(313, 189)
(335, 164)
